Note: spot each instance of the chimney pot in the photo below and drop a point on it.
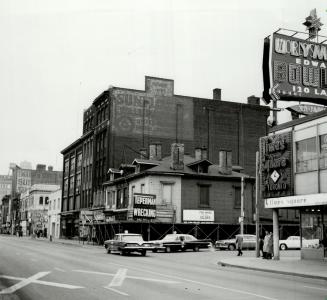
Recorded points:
(216, 94)
(177, 156)
(254, 100)
(143, 153)
(225, 162)
(155, 151)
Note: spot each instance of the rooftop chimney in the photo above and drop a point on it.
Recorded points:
(155, 151)
(50, 168)
(40, 167)
(254, 100)
(216, 94)
(201, 153)
(177, 156)
(225, 162)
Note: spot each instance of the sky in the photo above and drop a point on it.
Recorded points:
(57, 56)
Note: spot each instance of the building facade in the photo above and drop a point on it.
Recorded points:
(5, 185)
(122, 121)
(34, 209)
(54, 214)
(297, 154)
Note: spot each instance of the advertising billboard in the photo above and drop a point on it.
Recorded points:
(144, 206)
(276, 165)
(294, 69)
(194, 215)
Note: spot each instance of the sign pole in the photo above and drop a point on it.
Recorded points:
(257, 195)
(242, 205)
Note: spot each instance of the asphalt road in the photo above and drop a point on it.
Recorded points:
(32, 269)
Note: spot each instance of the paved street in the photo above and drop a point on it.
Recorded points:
(32, 269)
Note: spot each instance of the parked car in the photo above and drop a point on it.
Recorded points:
(293, 242)
(125, 243)
(249, 242)
(181, 242)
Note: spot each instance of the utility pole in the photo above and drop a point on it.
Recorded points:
(242, 205)
(257, 196)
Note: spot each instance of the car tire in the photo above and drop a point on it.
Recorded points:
(108, 250)
(143, 253)
(231, 247)
(283, 247)
(196, 249)
(168, 249)
(155, 250)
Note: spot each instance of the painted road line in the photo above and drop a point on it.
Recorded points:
(118, 278)
(58, 269)
(131, 277)
(23, 283)
(62, 285)
(316, 288)
(34, 279)
(214, 286)
(116, 291)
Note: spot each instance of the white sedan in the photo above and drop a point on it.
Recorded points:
(293, 242)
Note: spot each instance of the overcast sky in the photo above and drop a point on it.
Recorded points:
(57, 56)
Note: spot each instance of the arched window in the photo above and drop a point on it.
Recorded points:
(46, 200)
(41, 200)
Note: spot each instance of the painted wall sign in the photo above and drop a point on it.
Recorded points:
(297, 201)
(276, 165)
(144, 206)
(295, 70)
(194, 215)
(24, 180)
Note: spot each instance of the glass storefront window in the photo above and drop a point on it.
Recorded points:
(323, 151)
(312, 228)
(306, 155)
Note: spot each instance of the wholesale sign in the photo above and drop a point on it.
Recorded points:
(276, 165)
(144, 206)
(294, 69)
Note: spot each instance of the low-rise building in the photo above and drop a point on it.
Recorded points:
(54, 214)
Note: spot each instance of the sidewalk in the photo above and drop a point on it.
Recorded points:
(293, 266)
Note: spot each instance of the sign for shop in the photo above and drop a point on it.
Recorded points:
(297, 201)
(144, 206)
(194, 215)
(276, 165)
(294, 69)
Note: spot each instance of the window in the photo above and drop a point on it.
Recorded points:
(306, 155)
(167, 192)
(46, 200)
(50, 206)
(54, 204)
(237, 197)
(125, 198)
(58, 203)
(41, 200)
(323, 151)
(204, 195)
(142, 188)
(72, 164)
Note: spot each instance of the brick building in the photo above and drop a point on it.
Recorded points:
(121, 121)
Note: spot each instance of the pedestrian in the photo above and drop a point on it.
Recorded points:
(239, 244)
(261, 245)
(265, 245)
(270, 248)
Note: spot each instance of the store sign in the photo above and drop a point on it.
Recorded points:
(294, 69)
(276, 165)
(24, 180)
(193, 215)
(297, 201)
(144, 206)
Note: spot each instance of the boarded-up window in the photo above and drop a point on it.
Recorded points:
(204, 195)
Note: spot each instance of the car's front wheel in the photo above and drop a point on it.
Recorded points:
(108, 250)
(283, 247)
(196, 249)
(231, 247)
(143, 253)
(168, 249)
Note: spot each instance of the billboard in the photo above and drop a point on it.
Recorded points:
(144, 206)
(276, 165)
(294, 69)
(24, 180)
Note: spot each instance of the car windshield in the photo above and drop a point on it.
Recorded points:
(132, 238)
(170, 237)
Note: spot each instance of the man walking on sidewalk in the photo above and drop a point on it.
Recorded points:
(239, 244)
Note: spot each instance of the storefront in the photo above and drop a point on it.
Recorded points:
(294, 176)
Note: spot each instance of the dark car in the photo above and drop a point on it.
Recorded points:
(126, 243)
(181, 242)
(249, 242)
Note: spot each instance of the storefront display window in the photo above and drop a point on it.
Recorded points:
(306, 155)
(312, 228)
(323, 151)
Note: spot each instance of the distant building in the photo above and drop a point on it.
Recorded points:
(54, 214)
(5, 185)
(34, 208)
(122, 121)
(25, 165)
(5, 214)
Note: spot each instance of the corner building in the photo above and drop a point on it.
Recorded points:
(122, 121)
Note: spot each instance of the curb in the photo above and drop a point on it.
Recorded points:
(223, 264)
